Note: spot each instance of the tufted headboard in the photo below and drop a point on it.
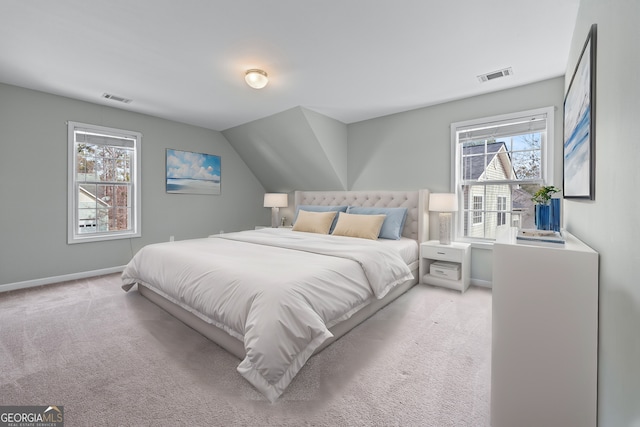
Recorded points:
(417, 223)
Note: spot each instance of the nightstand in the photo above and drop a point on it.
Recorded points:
(445, 265)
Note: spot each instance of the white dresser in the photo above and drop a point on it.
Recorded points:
(544, 363)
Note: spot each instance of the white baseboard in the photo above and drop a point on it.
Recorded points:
(481, 283)
(58, 279)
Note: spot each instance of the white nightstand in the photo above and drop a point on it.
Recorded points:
(457, 253)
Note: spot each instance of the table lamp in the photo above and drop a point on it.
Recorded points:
(445, 204)
(275, 201)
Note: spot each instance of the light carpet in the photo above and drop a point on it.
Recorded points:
(115, 359)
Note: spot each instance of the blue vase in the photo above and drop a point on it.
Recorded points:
(555, 214)
(543, 217)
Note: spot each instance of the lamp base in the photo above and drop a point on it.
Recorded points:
(445, 228)
(275, 213)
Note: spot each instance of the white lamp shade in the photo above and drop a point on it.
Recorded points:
(276, 200)
(443, 202)
(255, 78)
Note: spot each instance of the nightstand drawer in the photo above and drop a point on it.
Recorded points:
(444, 254)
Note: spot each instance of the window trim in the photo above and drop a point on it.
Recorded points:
(73, 236)
(546, 152)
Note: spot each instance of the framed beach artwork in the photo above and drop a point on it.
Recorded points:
(579, 125)
(192, 173)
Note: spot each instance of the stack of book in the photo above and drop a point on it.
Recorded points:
(544, 237)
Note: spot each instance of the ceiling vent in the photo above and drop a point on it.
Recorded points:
(116, 98)
(495, 75)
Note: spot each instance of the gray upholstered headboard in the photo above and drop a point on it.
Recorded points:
(417, 223)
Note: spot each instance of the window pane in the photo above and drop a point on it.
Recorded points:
(121, 219)
(86, 196)
(120, 196)
(103, 219)
(474, 160)
(86, 221)
(109, 171)
(526, 156)
(512, 158)
(123, 168)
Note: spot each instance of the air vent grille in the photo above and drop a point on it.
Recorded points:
(495, 74)
(116, 98)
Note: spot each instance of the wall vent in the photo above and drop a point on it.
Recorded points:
(116, 98)
(495, 74)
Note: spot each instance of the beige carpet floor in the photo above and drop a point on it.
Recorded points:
(114, 359)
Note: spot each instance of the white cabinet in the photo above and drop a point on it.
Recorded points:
(544, 359)
(457, 253)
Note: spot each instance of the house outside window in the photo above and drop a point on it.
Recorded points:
(103, 185)
(499, 162)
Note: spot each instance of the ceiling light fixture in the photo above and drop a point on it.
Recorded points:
(256, 78)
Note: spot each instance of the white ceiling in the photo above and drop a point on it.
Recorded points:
(347, 59)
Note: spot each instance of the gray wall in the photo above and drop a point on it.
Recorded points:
(33, 187)
(610, 223)
(297, 149)
(413, 149)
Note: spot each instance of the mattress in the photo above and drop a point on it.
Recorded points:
(277, 290)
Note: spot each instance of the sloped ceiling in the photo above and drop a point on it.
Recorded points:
(297, 149)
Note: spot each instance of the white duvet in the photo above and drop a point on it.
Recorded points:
(276, 290)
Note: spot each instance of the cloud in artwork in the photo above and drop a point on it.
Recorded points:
(188, 165)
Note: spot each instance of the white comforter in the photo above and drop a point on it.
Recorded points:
(277, 290)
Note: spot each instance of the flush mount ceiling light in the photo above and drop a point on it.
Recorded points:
(255, 78)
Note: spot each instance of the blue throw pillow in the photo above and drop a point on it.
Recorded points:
(318, 208)
(393, 223)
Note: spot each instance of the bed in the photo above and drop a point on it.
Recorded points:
(274, 297)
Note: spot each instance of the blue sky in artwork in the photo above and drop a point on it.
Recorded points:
(188, 165)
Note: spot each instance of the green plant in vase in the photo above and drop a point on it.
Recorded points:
(547, 217)
(544, 194)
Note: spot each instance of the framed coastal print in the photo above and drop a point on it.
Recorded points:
(579, 125)
(192, 173)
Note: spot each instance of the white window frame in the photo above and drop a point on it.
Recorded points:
(546, 152)
(73, 234)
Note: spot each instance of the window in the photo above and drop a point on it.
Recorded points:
(501, 207)
(104, 194)
(478, 211)
(499, 162)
